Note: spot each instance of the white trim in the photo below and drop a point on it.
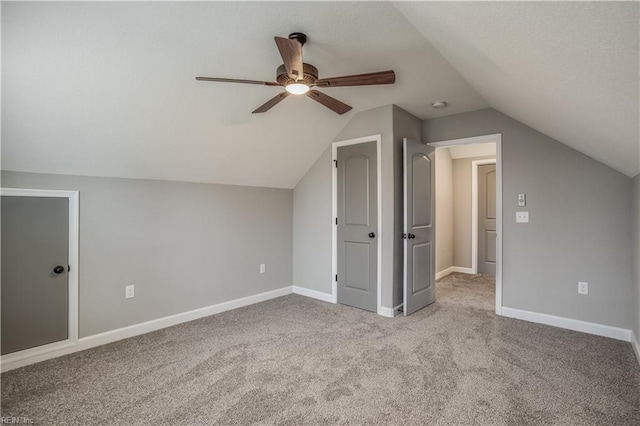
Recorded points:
(12, 361)
(72, 274)
(444, 272)
(636, 346)
(568, 323)
(465, 141)
(462, 270)
(474, 210)
(334, 212)
(389, 312)
(314, 294)
(497, 138)
(452, 269)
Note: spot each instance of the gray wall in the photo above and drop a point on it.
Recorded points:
(312, 203)
(580, 222)
(636, 255)
(312, 207)
(184, 246)
(444, 209)
(462, 211)
(367, 123)
(312, 227)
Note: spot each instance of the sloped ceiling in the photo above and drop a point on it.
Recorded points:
(108, 89)
(567, 69)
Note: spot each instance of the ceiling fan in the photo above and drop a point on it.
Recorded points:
(299, 78)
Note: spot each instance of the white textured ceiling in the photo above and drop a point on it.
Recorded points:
(567, 69)
(108, 89)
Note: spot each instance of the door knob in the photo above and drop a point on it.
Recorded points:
(372, 234)
(58, 269)
(411, 236)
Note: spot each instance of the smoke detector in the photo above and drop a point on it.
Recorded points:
(439, 104)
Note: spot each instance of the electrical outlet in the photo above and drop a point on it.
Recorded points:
(583, 288)
(522, 217)
(129, 292)
(263, 268)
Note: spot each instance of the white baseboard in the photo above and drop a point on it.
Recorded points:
(570, 324)
(463, 270)
(636, 346)
(444, 272)
(31, 356)
(315, 294)
(452, 269)
(389, 312)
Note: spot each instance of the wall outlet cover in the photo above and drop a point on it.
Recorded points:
(522, 217)
(583, 287)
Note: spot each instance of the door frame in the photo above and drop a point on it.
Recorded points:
(474, 208)
(497, 138)
(73, 241)
(334, 211)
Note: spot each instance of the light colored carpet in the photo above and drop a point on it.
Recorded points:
(295, 360)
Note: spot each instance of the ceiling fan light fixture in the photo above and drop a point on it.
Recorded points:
(297, 88)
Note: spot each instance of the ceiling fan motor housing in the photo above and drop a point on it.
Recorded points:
(310, 75)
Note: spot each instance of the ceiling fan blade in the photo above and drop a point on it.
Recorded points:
(235, 80)
(291, 52)
(271, 103)
(381, 77)
(331, 103)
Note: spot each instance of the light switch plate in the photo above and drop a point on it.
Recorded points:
(263, 268)
(522, 200)
(522, 217)
(129, 292)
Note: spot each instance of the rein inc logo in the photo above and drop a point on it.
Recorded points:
(15, 421)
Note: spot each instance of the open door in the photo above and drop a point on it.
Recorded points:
(419, 226)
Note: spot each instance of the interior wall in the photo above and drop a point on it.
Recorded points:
(580, 222)
(444, 210)
(183, 245)
(636, 256)
(312, 210)
(372, 122)
(312, 227)
(463, 211)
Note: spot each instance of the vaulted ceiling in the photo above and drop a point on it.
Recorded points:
(567, 69)
(108, 89)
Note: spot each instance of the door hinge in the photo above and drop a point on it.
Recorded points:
(68, 268)
(336, 277)
(336, 163)
(336, 220)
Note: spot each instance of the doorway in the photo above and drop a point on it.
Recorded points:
(469, 250)
(39, 274)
